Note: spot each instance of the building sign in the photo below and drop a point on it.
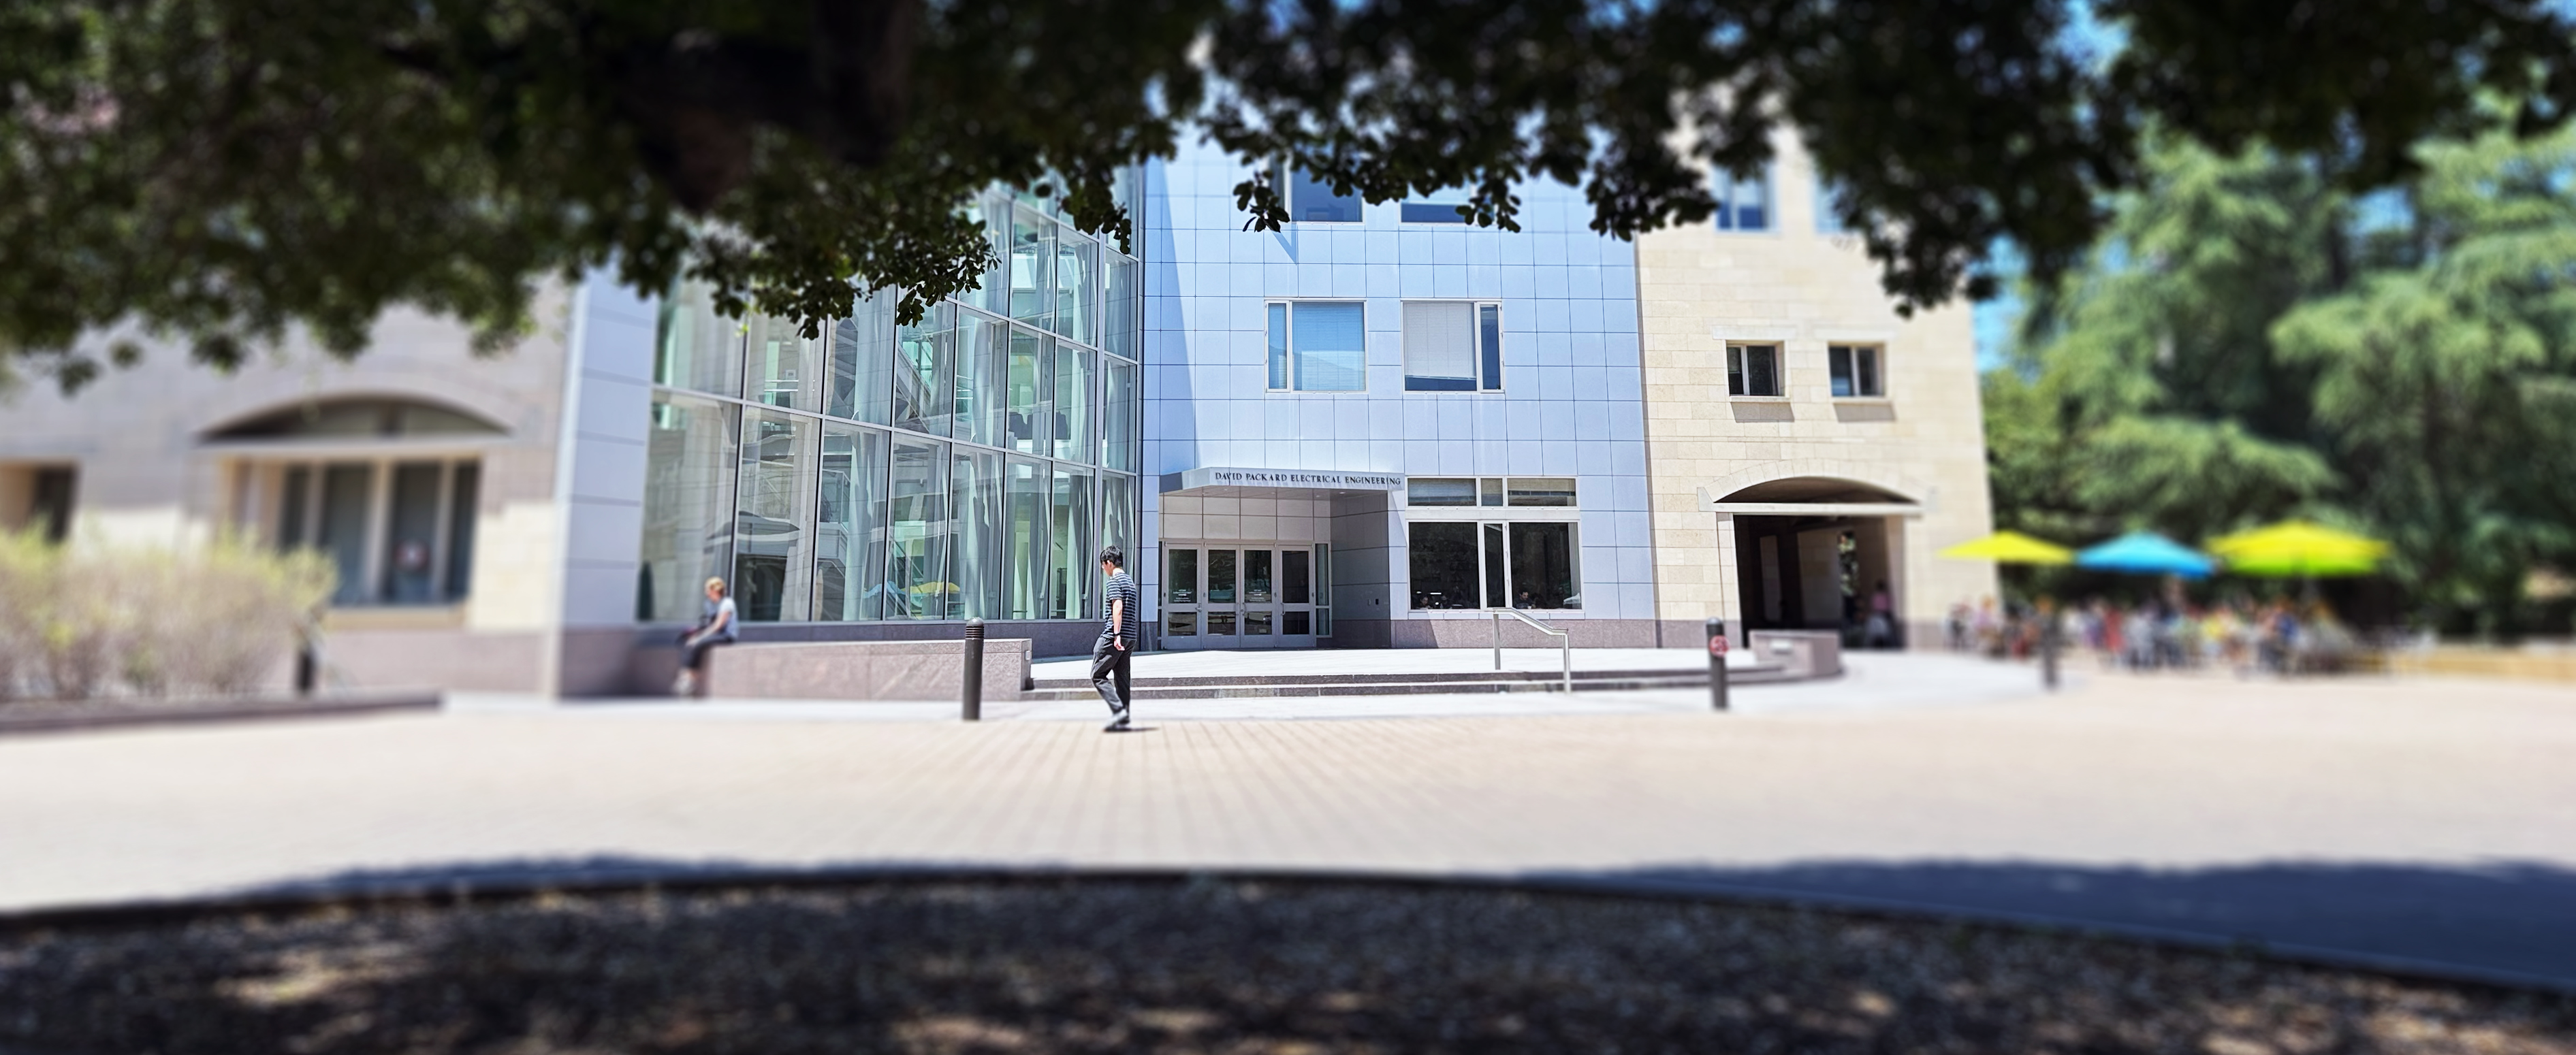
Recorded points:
(1310, 479)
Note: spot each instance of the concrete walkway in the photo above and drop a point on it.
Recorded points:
(2422, 823)
(1312, 661)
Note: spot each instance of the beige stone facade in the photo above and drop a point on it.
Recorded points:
(1903, 473)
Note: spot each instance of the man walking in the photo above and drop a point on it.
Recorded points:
(1109, 657)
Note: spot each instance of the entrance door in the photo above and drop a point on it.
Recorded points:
(1238, 595)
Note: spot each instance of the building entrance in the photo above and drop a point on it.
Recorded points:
(1240, 595)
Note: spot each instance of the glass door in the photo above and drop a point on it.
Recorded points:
(1239, 596)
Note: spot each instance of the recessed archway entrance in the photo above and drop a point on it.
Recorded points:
(1818, 553)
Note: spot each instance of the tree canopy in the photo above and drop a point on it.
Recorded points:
(2251, 342)
(219, 171)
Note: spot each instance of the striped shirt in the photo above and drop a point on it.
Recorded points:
(1121, 588)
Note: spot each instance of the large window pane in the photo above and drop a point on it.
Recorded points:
(1497, 571)
(689, 468)
(785, 368)
(923, 399)
(1118, 514)
(1440, 491)
(1439, 346)
(1031, 400)
(1328, 347)
(1123, 317)
(1072, 582)
(694, 347)
(1542, 491)
(1546, 569)
(1077, 287)
(1073, 399)
(975, 491)
(993, 293)
(464, 498)
(1024, 539)
(348, 494)
(1119, 408)
(1296, 583)
(862, 360)
(1032, 267)
(1443, 561)
(983, 354)
(411, 534)
(1181, 577)
(849, 561)
(773, 548)
(917, 530)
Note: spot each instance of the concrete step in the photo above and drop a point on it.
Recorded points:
(1053, 690)
(1464, 681)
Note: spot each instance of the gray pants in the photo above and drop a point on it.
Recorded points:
(1109, 674)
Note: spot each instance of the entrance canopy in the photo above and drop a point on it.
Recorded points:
(1822, 496)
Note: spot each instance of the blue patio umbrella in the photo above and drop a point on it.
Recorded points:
(2146, 553)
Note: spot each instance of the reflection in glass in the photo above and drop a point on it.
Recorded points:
(1073, 579)
(917, 528)
(1443, 562)
(1439, 491)
(1294, 582)
(983, 348)
(922, 397)
(695, 348)
(1077, 287)
(993, 292)
(1073, 369)
(1256, 576)
(1542, 491)
(1298, 622)
(862, 355)
(1256, 623)
(411, 534)
(773, 556)
(1496, 571)
(1024, 539)
(1489, 343)
(1123, 317)
(849, 536)
(1220, 579)
(688, 505)
(785, 368)
(975, 489)
(347, 493)
(1221, 624)
(1118, 409)
(1328, 347)
(1028, 402)
(1180, 624)
(1490, 491)
(1181, 577)
(1278, 338)
(1118, 513)
(1546, 568)
(1032, 274)
(464, 498)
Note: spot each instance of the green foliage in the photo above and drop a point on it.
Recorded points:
(2252, 344)
(222, 172)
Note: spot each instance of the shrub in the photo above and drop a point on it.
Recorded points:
(85, 622)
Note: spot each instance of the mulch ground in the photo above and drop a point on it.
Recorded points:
(1205, 965)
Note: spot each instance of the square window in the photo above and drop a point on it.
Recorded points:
(1753, 370)
(1743, 203)
(1855, 369)
(1317, 346)
(1453, 346)
(1313, 200)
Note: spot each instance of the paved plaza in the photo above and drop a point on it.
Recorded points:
(2413, 822)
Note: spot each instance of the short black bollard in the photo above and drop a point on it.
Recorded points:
(973, 703)
(308, 668)
(1717, 664)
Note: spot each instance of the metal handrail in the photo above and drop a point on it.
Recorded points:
(1564, 641)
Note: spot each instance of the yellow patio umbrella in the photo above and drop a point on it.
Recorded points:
(2301, 549)
(2011, 547)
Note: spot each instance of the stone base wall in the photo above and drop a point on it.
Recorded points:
(843, 670)
(455, 659)
(1479, 633)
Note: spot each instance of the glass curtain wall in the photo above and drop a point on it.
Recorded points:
(964, 466)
